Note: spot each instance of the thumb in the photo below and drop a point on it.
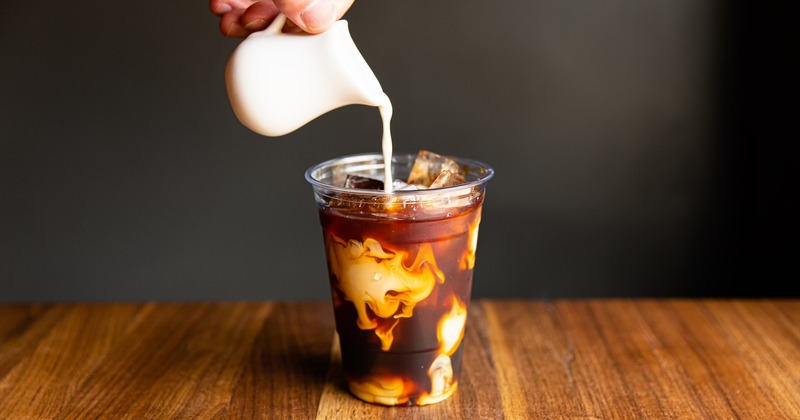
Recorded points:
(312, 16)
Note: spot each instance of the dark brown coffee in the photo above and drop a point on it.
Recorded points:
(401, 287)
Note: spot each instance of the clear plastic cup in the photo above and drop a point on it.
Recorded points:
(400, 267)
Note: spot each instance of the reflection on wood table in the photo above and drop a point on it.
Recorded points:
(597, 358)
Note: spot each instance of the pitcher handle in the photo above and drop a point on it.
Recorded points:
(276, 26)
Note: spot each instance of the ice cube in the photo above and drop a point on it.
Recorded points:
(400, 185)
(428, 166)
(363, 183)
(447, 178)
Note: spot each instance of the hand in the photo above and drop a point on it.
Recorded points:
(239, 18)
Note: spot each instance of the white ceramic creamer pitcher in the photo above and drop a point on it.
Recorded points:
(277, 82)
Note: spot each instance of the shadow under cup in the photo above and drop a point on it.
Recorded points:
(400, 267)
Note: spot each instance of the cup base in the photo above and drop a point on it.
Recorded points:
(401, 379)
(386, 397)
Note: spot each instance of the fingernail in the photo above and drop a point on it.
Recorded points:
(319, 16)
(223, 8)
(256, 25)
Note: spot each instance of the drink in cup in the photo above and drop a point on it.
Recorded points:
(400, 266)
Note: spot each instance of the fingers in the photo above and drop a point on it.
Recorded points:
(220, 7)
(239, 18)
(313, 16)
(258, 16)
(230, 26)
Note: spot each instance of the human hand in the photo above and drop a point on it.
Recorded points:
(239, 18)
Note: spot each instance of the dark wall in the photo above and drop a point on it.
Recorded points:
(636, 152)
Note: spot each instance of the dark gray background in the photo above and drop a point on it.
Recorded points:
(638, 149)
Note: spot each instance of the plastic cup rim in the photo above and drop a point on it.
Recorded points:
(488, 174)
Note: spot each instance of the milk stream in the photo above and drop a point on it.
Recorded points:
(385, 109)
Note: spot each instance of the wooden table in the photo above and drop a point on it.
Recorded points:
(629, 359)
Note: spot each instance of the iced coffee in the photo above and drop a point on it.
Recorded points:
(400, 265)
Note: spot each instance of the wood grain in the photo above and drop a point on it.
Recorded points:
(583, 359)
